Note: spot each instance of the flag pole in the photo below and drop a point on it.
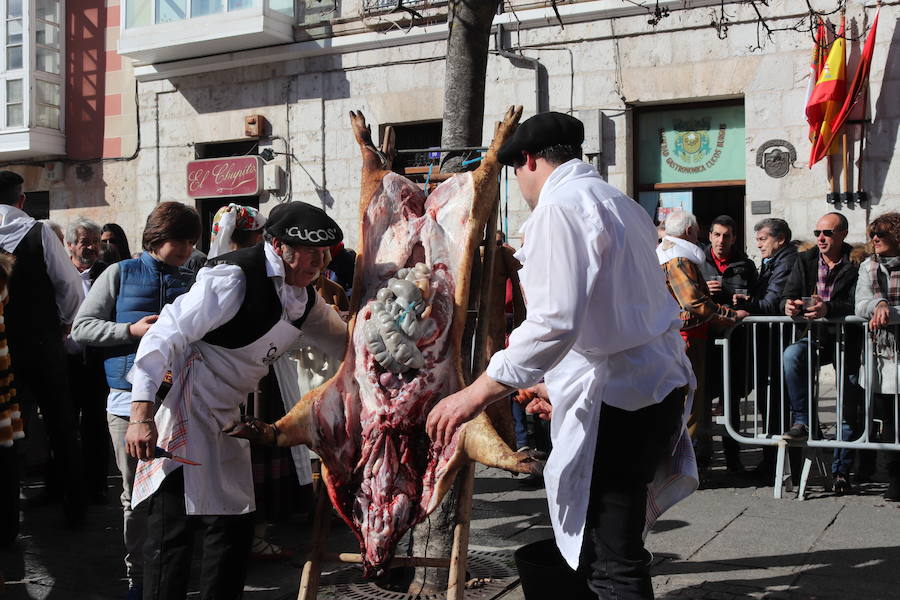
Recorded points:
(846, 195)
(829, 172)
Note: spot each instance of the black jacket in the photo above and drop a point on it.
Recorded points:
(802, 282)
(740, 273)
(765, 296)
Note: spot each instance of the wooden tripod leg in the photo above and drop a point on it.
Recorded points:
(312, 569)
(456, 585)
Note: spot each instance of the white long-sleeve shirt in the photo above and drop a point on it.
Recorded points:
(212, 301)
(67, 286)
(601, 327)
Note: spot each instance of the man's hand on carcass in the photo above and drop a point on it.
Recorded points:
(456, 409)
(536, 401)
(256, 430)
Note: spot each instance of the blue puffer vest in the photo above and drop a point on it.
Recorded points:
(145, 286)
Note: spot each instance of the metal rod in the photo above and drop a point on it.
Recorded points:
(442, 149)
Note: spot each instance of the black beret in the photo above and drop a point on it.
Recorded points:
(541, 131)
(9, 180)
(302, 224)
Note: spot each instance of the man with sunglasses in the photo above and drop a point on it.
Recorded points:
(821, 284)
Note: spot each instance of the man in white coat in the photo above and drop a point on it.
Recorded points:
(602, 330)
(245, 310)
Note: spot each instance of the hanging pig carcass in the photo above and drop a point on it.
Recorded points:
(367, 423)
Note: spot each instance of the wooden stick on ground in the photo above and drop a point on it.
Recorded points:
(312, 569)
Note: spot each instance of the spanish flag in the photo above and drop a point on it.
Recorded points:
(813, 114)
(828, 97)
(857, 85)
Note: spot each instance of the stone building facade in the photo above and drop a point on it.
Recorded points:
(723, 97)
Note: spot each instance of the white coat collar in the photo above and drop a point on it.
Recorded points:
(14, 225)
(564, 173)
(274, 264)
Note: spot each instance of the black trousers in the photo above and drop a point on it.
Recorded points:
(41, 378)
(630, 447)
(170, 545)
(88, 385)
(9, 495)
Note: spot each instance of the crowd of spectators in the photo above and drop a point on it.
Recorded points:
(717, 286)
(78, 304)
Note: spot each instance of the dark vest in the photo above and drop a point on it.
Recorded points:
(32, 316)
(261, 308)
(145, 286)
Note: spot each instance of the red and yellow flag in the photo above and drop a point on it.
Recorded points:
(857, 85)
(828, 97)
(813, 114)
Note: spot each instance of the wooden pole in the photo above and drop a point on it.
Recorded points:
(312, 569)
(355, 558)
(480, 360)
(829, 173)
(456, 587)
(845, 165)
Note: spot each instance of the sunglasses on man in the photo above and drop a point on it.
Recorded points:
(826, 232)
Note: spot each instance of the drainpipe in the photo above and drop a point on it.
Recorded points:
(512, 56)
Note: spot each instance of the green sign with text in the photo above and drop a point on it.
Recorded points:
(691, 145)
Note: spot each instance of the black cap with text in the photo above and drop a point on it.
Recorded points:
(302, 224)
(541, 131)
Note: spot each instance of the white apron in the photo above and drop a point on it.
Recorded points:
(208, 389)
(303, 369)
(579, 386)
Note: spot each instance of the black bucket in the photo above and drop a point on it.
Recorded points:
(545, 574)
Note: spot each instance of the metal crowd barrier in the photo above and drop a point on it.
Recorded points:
(751, 344)
(755, 402)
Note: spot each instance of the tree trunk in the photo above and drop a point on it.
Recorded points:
(467, 54)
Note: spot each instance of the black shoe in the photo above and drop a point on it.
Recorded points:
(798, 433)
(893, 490)
(841, 484)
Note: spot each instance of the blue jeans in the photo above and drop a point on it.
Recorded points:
(795, 370)
(795, 380)
(521, 424)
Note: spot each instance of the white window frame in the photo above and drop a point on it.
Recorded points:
(36, 75)
(190, 12)
(20, 74)
(28, 74)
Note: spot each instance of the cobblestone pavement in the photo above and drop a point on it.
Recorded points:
(729, 541)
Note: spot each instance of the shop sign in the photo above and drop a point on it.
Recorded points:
(222, 177)
(692, 145)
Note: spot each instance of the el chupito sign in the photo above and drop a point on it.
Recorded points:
(217, 177)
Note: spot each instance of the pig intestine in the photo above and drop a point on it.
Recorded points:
(399, 319)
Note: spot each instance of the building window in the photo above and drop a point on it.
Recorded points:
(31, 69)
(140, 13)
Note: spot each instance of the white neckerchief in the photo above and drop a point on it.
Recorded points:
(673, 247)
